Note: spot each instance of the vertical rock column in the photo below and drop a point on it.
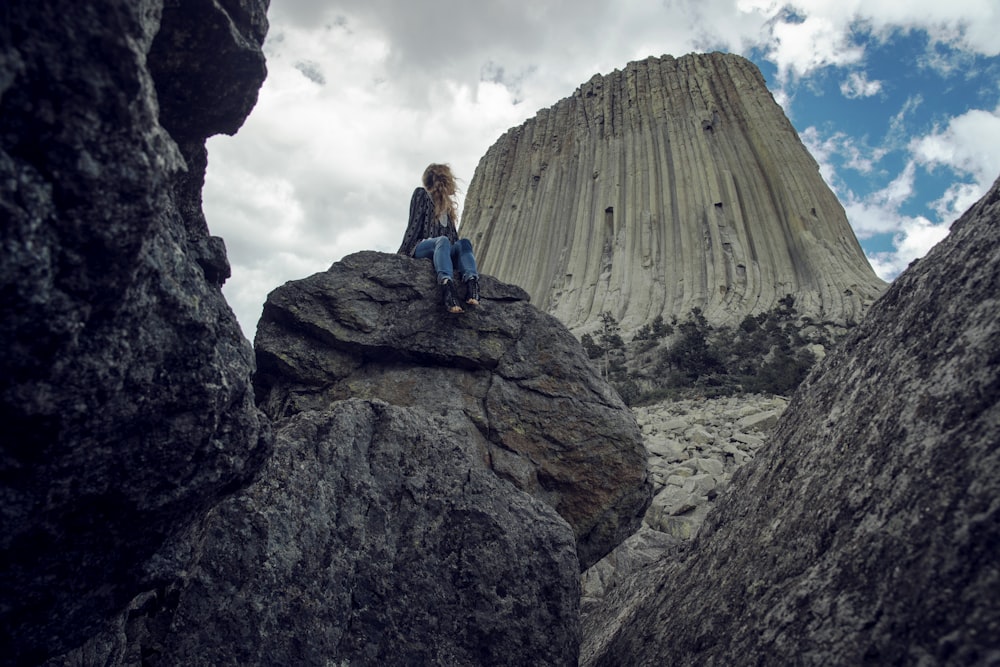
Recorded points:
(674, 184)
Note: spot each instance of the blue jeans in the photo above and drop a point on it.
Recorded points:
(447, 256)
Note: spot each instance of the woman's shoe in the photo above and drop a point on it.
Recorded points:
(449, 296)
(472, 292)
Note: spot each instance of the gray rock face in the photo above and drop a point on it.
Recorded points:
(673, 184)
(866, 530)
(125, 382)
(373, 326)
(375, 535)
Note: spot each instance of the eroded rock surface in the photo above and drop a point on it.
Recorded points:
(672, 184)
(372, 326)
(375, 535)
(124, 381)
(866, 530)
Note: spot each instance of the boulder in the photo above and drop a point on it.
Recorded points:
(866, 530)
(372, 326)
(374, 535)
(125, 380)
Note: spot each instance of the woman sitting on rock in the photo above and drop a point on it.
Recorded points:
(432, 233)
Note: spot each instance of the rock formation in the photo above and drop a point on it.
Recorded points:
(124, 382)
(375, 535)
(674, 184)
(866, 531)
(434, 484)
(371, 327)
(434, 479)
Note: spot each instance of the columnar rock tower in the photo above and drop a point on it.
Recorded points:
(676, 183)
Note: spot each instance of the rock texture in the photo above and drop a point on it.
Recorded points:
(125, 382)
(673, 184)
(694, 448)
(375, 535)
(436, 483)
(866, 531)
(372, 326)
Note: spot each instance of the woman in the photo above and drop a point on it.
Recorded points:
(432, 233)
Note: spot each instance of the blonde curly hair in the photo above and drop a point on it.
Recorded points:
(440, 183)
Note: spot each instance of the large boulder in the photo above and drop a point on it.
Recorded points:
(375, 535)
(125, 381)
(866, 531)
(372, 326)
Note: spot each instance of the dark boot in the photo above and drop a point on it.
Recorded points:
(472, 292)
(449, 297)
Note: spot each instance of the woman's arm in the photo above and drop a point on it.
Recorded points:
(421, 211)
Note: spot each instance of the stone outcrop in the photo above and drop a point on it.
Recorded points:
(374, 535)
(865, 531)
(437, 485)
(125, 381)
(669, 185)
(372, 327)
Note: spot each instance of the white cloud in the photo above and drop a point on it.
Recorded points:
(878, 212)
(969, 145)
(798, 48)
(857, 85)
(916, 236)
(852, 153)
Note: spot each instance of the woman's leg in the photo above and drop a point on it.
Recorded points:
(464, 259)
(439, 249)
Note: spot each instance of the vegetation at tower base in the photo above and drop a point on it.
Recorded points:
(768, 353)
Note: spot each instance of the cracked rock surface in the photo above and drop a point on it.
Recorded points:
(373, 326)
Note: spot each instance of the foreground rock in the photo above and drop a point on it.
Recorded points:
(372, 326)
(124, 379)
(374, 536)
(436, 482)
(866, 531)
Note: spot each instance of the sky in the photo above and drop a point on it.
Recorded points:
(899, 102)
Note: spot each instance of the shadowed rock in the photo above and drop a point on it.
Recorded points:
(866, 531)
(375, 535)
(124, 382)
(373, 326)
